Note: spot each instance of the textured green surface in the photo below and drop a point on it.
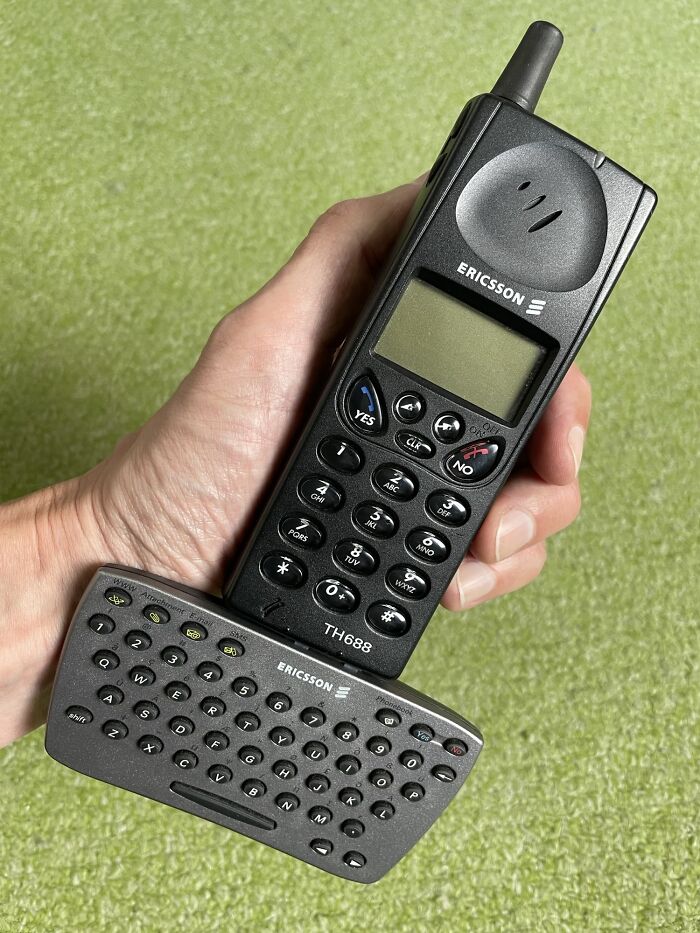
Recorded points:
(159, 160)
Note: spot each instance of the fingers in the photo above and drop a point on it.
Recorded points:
(556, 446)
(320, 291)
(526, 511)
(475, 581)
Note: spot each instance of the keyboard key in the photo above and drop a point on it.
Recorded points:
(350, 796)
(231, 648)
(138, 641)
(209, 671)
(250, 755)
(381, 778)
(321, 816)
(355, 557)
(285, 770)
(212, 706)
(107, 660)
(447, 508)
(219, 774)
(318, 783)
(346, 731)
(146, 710)
(279, 702)
(117, 597)
(408, 582)
(150, 744)
(422, 732)
(194, 631)
(185, 759)
(156, 614)
(101, 624)
(181, 725)
(281, 736)
(178, 691)
(382, 809)
(352, 828)
(413, 791)
(388, 619)
(174, 656)
(142, 676)
(216, 741)
(114, 729)
(379, 746)
(253, 788)
(110, 695)
(315, 751)
(244, 687)
(388, 718)
(287, 802)
(312, 716)
(247, 722)
(411, 760)
(348, 764)
(79, 714)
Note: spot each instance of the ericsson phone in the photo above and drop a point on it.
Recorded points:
(510, 252)
(269, 712)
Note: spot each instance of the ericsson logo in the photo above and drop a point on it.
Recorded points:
(341, 693)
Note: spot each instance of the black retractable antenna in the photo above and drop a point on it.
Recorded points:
(525, 75)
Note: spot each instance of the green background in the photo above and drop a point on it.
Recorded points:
(158, 161)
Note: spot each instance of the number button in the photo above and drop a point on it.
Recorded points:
(340, 455)
(174, 656)
(409, 407)
(279, 702)
(408, 582)
(448, 427)
(302, 531)
(379, 746)
(312, 716)
(447, 509)
(321, 493)
(411, 760)
(363, 406)
(427, 545)
(209, 671)
(284, 570)
(415, 444)
(244, 687)
(117, 597)
(395, 482)
(355, 557)
(475, 461)
(139, 641)
(388, 619)
(336, 595)
(375, 520)
(101, 624)
(346, 731)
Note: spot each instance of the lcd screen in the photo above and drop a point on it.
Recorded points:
(459, 349)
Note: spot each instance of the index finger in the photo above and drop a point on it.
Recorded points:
(556, 446)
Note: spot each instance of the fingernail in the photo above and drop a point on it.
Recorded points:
(475, 580)
(516, 529)
(576, 438)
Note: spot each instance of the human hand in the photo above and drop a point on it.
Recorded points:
(178, 496)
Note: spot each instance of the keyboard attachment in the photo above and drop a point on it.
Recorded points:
(163, 692)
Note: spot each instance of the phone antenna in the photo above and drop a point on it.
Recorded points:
(527, 71)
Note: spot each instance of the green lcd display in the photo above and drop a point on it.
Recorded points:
(460, 349)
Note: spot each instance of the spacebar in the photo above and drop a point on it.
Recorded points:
(223, 806)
